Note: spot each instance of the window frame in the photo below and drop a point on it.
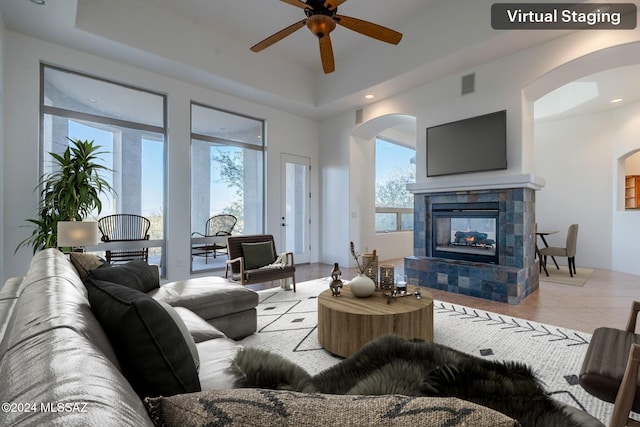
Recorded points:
(88, 117)
(228, 142)
(390, 210)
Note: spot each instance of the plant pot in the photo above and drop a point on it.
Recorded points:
(362, 286)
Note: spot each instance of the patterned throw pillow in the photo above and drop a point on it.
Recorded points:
(255, 407)
(84, 263)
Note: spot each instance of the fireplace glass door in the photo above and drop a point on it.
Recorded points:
(466, 231)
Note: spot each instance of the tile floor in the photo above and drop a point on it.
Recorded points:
(604, 300)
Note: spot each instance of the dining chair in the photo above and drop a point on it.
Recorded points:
(569, 251)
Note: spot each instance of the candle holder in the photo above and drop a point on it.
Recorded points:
(386, 277)
(371, 263)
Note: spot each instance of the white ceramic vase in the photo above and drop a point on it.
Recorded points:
(362, 286)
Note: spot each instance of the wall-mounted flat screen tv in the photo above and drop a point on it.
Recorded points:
(470, 145)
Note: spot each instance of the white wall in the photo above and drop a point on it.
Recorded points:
(574, 158)
(632, 164)
(286, 133)
(2, 155)
(510, 83)
(626, 223)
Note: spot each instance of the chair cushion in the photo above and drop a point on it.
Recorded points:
(605, 362)
(153, 354)
(208, 297)
(266, 274)
(553, 251)
(257, 255)
(135, 274)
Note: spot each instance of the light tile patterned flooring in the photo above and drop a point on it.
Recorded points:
(604, 300)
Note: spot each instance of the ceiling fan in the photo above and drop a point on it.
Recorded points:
(322, 17)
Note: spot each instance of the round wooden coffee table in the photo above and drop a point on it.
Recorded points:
(346, 323)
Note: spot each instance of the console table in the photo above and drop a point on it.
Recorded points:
(346, 323)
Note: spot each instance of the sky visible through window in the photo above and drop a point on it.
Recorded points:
(152, 167)
(391, 158)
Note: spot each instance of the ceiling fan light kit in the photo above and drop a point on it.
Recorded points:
(322, 18)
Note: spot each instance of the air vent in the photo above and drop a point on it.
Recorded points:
(468, 83)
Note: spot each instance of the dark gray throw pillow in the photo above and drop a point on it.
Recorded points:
(257, 255)
(151, 350)
(135, 274)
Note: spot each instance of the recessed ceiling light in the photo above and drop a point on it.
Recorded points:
(93, 101)
(38, 2)
(613, 101)
(368, 96)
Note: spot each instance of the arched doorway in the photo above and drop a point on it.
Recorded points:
(581, 157)
(400, 128)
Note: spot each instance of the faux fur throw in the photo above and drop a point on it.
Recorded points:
(394, 365)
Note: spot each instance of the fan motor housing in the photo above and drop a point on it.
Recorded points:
(318, 8)
(321, 25)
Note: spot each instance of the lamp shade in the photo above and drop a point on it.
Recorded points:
(77, 233)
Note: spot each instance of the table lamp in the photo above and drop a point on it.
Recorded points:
(77, 234)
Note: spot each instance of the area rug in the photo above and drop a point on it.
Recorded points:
(562, 276)
(287, 325)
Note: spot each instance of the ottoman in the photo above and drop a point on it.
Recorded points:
(228, 306)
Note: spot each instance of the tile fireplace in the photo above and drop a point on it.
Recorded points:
(477, 242)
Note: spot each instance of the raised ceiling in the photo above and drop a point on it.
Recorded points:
(207, 42)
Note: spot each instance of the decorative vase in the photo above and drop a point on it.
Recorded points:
(362, 286)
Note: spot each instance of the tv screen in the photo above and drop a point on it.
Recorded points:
(470, 145)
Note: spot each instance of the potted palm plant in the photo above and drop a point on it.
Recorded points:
(69, 193)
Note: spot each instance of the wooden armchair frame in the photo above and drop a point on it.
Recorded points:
(627, 391)
(235, 265)
(611, 366)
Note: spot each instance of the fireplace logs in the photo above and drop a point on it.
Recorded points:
(473, 238)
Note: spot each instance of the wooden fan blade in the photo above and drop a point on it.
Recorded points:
(297, 3)
(278, 36)
(332, 4)
(369, 29)
(326, 54)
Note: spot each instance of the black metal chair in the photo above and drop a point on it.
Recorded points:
(125, 228)
(218, 225)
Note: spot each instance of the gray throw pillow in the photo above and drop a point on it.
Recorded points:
(135, 274)
(200, 329)
(257, 255)
(185, 333)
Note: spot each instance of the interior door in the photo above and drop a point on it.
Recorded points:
(295, 221)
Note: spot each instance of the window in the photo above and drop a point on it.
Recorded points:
(128, 124)
(227, 173)
(395, 168)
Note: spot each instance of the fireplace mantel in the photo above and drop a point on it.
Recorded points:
(465, 183)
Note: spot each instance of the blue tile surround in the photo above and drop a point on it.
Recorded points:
(516, 274)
